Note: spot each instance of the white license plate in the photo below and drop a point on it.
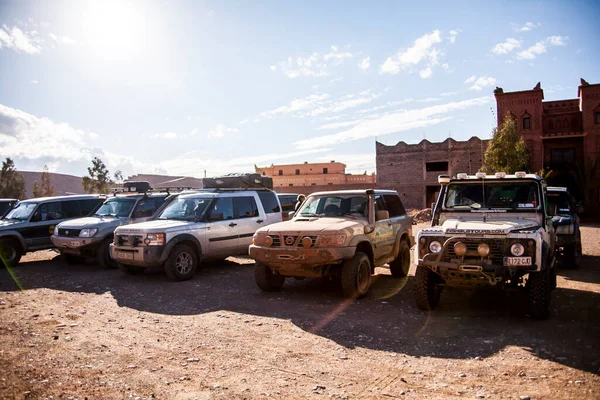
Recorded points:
(512, 261)
(125, 256)
(74, 243)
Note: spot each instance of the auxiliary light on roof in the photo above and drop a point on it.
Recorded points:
(480, 175)
(520, 174)
(442, 179)
(500, 174)
(462, 175)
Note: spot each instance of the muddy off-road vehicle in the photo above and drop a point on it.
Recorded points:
(343, 234)
(488, 231)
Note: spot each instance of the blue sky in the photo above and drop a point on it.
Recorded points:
(184, 87)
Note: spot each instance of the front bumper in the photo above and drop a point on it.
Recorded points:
(307, 262)
(141, 256)
(76, 245)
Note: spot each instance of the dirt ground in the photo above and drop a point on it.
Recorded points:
(77, 332)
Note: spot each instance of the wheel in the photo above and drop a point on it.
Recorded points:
(265, 279)
(182, 263)
(131, 269)
(356, 276)
(10, 252)
(427, 292)
(538, 287)
(103, 255)
(72, 259)
(400, 266)
(572, 255)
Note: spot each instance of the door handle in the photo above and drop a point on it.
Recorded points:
(259, 221)
(232, 224)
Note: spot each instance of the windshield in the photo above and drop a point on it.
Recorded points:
(22, 211)
(334, 205)
(492, 195)
(186, 209)
(116, 207)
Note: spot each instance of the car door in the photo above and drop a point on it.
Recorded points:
(41, 225)
(384, 231)
(248, 220)
(222, 229)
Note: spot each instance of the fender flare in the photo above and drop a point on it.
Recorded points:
(185, 237)
(14, 235)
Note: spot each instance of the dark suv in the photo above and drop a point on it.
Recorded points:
(565, 219)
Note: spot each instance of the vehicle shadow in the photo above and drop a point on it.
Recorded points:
(466, 324)
(589, 271)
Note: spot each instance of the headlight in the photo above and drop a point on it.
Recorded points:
(517, 249)
(435, 246)
(331, 240)
(55, 231)
(483, 249)
(154, 239)
(460, 249)
(88, 232)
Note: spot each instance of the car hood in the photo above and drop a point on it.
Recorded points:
(6, 224)
(153, 226)
(504, 227)
(92, 222)
(317, 225)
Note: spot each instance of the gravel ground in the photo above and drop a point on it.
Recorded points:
(75, 332)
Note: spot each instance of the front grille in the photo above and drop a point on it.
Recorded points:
(496, 249)
(291, 241)
(128, 240)
(276, 240)
(68, 232)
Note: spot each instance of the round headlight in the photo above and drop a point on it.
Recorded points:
(517, 249)
(460, 249)
(483, 249)
(306, 241)
(435, 246)
(268, 241)
(146, 241)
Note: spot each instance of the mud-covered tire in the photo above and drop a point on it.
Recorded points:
(266, 280)
(10, 253)
(182, 263)
(427, 292)
(539, 286)
(103, 257)
(401, 265)
(572, 255)
(72, 259)
(131, 269)
(356, 276)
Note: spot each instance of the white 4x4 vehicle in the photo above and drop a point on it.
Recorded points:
(210, 224)
(488, 231)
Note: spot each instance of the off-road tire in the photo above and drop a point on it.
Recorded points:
(72, 259)
(427, 292)
(356, 276)
(266, 280)
(539, 286)
(572, 255)
(182, 263)
(401, 265)
(131, 269)
(10, 253)
(103, 257)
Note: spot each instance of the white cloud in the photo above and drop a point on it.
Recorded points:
(62, 40)
(399, 121)
(532, 52)
(506, 47)
(165, 135)
(480, 82)
(337, 56)
(453, 34)
(34, 82)
(425, 73)
(365, 64)
(14, 38)
(316, 64)
(557, 40)
(527, 27)
(422, 51)
(220, 131)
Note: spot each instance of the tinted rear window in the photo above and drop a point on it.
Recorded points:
(269, 201)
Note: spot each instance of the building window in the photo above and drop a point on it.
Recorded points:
(324, 170)
(280, 172)
(527, 123)
(561, 158)
(297, 172)
(291, 184)
(313, 184)
(440, 166)
(598, 117)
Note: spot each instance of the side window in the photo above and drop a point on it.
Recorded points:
(379, 203)
(145, 208)
(245, 207)
(48, 212)
(394, 205)
(88, 206)
(72, 208)
(222, 209)
(269, 201)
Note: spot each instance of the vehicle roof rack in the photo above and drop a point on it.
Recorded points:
(257, 189)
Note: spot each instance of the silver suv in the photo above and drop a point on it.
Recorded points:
(488, 231)
(345, 234)
(210, 224)
(80, 238)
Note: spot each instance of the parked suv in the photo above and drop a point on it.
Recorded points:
(488, 231)
(344, 234)
(29, 226)
(210, 224)
(80, 238)
(568, 237)
(288, 203)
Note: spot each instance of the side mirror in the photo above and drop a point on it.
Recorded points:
(382, 214)
(291, 214)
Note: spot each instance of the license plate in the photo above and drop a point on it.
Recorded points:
(125, 256)
(516, 261)
(74, 243)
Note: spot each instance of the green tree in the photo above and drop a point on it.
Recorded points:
(37, 191)
(12, 183)
(507, 151)
(118, 176)
(98, 179)
(47, 188)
